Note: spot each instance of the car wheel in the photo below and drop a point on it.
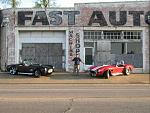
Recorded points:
(37, 73)
(92, 74)
(127, 71)
(107, 74)
(13, 71)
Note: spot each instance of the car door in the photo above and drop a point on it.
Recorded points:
(116, 70)
(24, 68)
(113, 69)
(119, 69)
(30, 68)
(21, 68)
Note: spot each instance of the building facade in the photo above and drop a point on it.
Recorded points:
(101, 33)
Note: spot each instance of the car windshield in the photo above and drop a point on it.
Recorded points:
(28, 62)
(116, 63)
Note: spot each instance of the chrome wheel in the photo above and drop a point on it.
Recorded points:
(127, 71)
(37, 73)
(13, 71)
(92, 74)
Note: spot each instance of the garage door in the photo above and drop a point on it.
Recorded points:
(45, 47)
(43, 53)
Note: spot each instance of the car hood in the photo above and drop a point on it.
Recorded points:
(12, 65)
(94, 68)
(47, 66)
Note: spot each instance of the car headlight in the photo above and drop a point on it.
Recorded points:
(99, 70)
(50, 70)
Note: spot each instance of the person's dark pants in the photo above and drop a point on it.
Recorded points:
(76, 69)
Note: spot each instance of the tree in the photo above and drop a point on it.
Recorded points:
(44, 3)
(12, 3)
(41, 3)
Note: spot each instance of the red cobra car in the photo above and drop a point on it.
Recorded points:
(111, 70)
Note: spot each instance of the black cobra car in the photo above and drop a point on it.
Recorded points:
(30, 68)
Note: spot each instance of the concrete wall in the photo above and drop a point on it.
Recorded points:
(146, 51)
(8, 39)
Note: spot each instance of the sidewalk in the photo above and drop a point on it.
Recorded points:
(68, 78)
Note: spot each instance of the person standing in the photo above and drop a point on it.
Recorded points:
(77, 61)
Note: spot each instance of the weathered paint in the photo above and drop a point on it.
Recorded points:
(98, 16)
(55, 17)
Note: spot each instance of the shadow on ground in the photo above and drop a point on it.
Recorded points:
(9, 76)
(59, 77)
(54, 76)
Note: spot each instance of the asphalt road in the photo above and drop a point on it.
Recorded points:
(74, 98)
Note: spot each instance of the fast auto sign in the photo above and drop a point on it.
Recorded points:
(67, 18)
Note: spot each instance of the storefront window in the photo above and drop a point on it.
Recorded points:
(92, 35)
(130, 52)
(112, 35)
(125, 45)
(132, 35)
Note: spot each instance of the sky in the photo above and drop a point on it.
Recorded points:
(62, 3)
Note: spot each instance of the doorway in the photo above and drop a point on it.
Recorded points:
(89, 56)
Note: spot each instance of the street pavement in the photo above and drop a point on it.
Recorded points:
(74, 98)
(67, 93)
(69, 78)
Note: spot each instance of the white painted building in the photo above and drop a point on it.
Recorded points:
(102, 33)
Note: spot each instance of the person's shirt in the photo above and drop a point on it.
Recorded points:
(76, 60)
